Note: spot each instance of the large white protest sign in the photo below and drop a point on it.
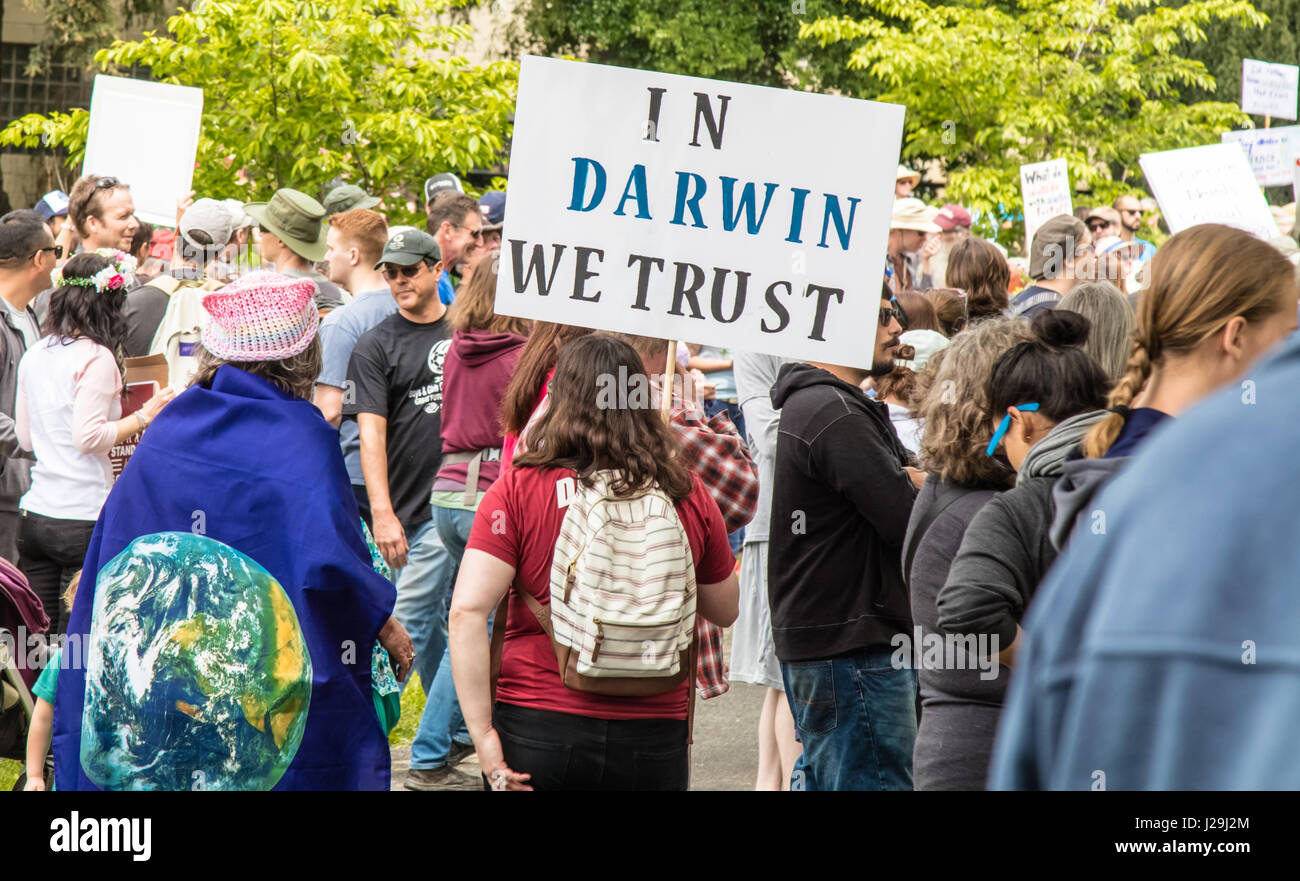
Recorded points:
(692, 209)
(1269, 89)
(1045, 189)
(1212, 184)
(146, 135)
(1271, 151)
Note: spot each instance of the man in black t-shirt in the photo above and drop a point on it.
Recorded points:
(394, 391)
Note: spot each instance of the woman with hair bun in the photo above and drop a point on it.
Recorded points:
(1044, 395)
(1219, 299)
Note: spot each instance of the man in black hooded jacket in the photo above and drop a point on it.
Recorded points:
(842, 495)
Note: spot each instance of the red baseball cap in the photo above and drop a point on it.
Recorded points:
(952, 216)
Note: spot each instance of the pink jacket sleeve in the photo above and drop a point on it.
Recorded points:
(98, 389)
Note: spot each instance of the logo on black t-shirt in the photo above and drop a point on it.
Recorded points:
(429, 397)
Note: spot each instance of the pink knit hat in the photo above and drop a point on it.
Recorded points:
(261, 316)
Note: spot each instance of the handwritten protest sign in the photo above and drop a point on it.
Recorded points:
(686, 208)
(146, 135)
(1045, 189)
(1269, 89)
(1212, 184)
(1271, 151)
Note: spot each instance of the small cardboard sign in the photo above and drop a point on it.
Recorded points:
(1269, 89)
(1045, 190)
(144, 378)
(1271, 151)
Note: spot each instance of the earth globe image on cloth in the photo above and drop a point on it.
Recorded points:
(197, 672)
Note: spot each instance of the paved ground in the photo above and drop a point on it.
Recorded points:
(724, 756)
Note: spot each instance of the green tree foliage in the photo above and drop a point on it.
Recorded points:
(76, 29)
(1226, 45)
(302, 93)
(747, 41)
(991, 86)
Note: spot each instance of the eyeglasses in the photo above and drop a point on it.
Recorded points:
(1006, 424)
(476, 233)
(391, 273)
(893, 311)
(107, 183)
(57, 249)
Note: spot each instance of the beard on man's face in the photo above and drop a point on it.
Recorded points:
(883, 364)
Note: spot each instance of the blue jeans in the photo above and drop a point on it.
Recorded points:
(856, 717)
(423, 590)
(442, 722)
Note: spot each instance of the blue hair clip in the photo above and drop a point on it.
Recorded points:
(1005, 424)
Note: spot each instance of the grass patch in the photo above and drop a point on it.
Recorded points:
(412, 709)
(9, 771)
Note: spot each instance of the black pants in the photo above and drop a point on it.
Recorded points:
(563, 751)
(50, 551)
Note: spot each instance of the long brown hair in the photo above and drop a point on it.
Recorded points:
(1200, 279)
(979, 269)
(578, 434)
(473, 307)
(949, 309)
(535, 361)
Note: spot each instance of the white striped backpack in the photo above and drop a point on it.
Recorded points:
(622, 614)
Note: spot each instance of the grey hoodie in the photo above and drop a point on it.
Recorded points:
(1081, 479)
(1005, 551)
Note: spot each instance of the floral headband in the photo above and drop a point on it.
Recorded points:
(114, 277)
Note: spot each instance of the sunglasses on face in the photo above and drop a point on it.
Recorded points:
(1006, 424)
(476, 233)
(391, 273)
(1098, 225)
(894, 311)
(57, 249)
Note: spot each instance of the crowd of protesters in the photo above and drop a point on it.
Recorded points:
(918, 557)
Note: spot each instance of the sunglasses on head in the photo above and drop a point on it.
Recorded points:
(1006, 424)
(107, 183)
(392, 272)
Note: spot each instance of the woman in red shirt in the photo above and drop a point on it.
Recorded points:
(539, 732)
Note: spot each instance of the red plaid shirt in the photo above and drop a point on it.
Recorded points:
(718, 454)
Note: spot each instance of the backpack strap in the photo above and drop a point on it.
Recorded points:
(540, 612)
(946, 495)
(165, 283)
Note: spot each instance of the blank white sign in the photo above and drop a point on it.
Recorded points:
(1212, 184)
(147, 136)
